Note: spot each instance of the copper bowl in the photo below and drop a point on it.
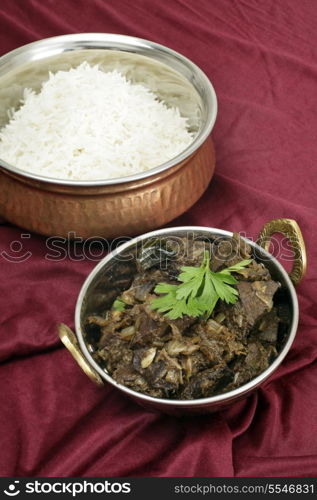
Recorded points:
(106, 275)
(119, 206)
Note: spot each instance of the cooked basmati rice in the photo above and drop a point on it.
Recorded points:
(87, 124)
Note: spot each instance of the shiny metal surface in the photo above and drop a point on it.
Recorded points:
(104, 276)
(70, 342)
(107, 211)
(111, 207)
(29, 66)
(291, 230)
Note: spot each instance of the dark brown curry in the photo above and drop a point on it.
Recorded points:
(190, 357)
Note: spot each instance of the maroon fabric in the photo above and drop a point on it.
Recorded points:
(261, 57)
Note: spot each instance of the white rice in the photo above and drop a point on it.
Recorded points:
(88, 124)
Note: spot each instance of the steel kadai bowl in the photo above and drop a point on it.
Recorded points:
(122, 206)
(107, 273)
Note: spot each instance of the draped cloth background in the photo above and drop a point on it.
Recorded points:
(261, 56)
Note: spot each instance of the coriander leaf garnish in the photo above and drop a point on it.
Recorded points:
(199, 290)
(118, 305)
(237, 267)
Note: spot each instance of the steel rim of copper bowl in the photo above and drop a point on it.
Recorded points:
(225, 397)
(56, 45)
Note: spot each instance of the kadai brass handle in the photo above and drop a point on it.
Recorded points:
(290, 229)
(69, 340)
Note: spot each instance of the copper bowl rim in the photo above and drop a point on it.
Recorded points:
(58, 44)
(209, 401)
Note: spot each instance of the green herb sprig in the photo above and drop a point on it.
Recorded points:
(118, 305)
(199, 290)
